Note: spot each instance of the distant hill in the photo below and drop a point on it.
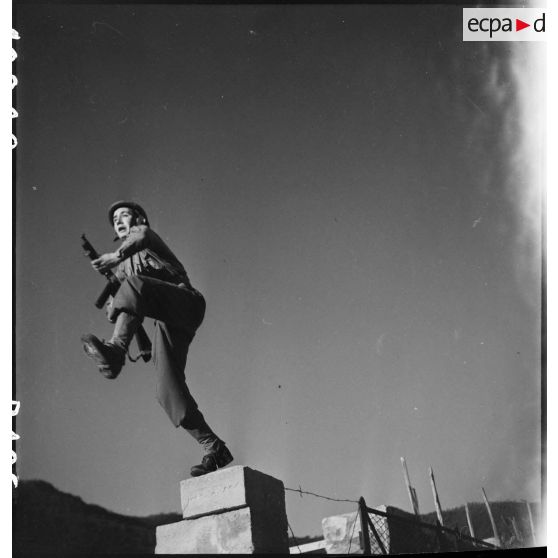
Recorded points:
(503, 513)
(46, 520)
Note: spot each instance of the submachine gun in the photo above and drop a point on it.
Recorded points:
(112, 286)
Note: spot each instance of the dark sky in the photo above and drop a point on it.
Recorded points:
(356, 192)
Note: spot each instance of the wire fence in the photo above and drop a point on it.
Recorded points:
(373, 531)
(396, 532)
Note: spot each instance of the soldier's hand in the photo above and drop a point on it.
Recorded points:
(105, 262)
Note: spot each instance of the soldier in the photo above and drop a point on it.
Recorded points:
(154, 284)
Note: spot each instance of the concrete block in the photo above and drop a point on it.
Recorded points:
(239, 531)
(231, 511)
(226, 533)
(342, 533)
(232, 488)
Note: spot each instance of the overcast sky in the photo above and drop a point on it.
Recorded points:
(355, 191)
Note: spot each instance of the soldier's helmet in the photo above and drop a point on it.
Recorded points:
(141, 215)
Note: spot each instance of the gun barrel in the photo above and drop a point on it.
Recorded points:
(88, 249)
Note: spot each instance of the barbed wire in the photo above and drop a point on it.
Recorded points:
(301, 492)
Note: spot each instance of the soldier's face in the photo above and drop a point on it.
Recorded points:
(122, 220)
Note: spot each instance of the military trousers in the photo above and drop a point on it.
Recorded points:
(178, 312)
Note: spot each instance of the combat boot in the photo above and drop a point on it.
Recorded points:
(217, 458)
(108, 357)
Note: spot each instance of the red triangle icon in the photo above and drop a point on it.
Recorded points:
(519, 25)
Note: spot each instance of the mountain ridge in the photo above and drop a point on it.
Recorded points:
(48, 520)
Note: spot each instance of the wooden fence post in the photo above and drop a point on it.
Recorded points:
(531, 523)
(363, 513)
(435, 496)
(410, 490)
(469, 521)
(492, 522)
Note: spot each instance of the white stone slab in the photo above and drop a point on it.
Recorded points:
(239, 531)
(342, 533)
(308, 548)
(232, 488)
(226, 533)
